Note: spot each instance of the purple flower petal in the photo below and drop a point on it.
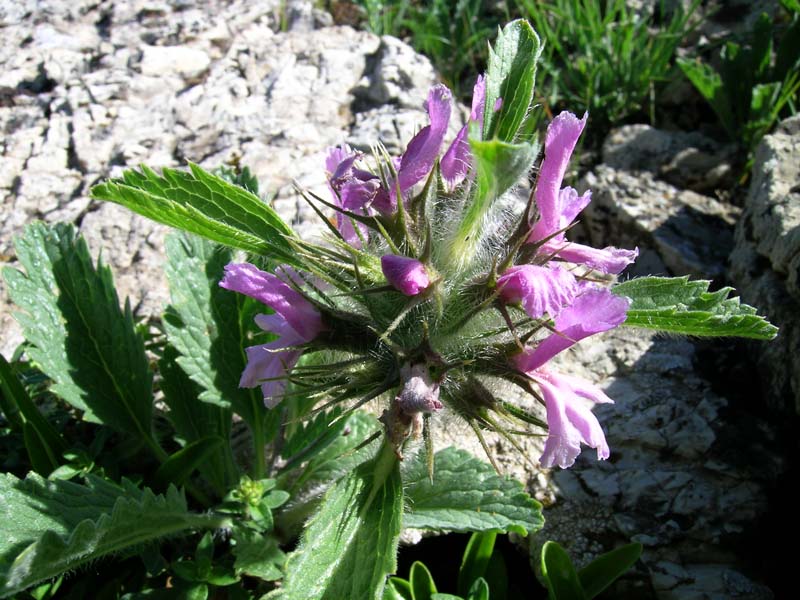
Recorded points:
(593, 311)
(562, 135)
(570, 422)
(270, 290)
(408, 275)
(423, 150)
(540, 289)
(455, 162)
(606, 260)
(268, 367)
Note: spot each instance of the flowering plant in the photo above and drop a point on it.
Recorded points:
(435, 282)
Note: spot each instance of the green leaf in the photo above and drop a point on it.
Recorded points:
(177, 468)
(397, 589)
(80, 337)
(257, 555)
(787, 55)
(422, 585)
(499, 166)
(65, 525)
(476, 559)
(41, 438)
(42, 459)
(199, 202)
(207, 325)
(607, 568)
(559, 574)
(479, 590)
(709, 83)
(446, 597)
(350, 545)
(510, 76)
(466, 495)
(677, 305)
(194, 420)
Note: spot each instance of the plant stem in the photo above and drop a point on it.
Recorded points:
(259, 465)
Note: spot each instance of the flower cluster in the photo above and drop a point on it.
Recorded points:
(388, 309)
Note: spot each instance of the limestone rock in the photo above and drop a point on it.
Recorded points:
(765, 265)
(672, 227)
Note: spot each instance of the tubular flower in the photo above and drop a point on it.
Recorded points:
(408, 275)
(295, 321)
(456, 161)
(541, 290)
(558, 207)
(569, 420)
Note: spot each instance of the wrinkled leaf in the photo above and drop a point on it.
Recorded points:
(677, 305)
(81, 338)
(350, 545)
(466, 495)
(510, 76)
(53, 527)
(199, 202)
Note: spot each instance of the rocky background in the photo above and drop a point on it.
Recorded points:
(700, 433)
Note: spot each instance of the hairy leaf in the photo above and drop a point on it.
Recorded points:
(194, 419)
(499, 166)
(257, 555)
(510, 77)
(677, 305)
(80, 337)
(207, 324)
(466, 495)
(350, 545)
(71, 525)
(202, 203)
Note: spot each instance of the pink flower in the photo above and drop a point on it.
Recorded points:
(455, 162)
(408, 275)
(570, 422)
(558, 207)
(361, 192)
(296, 321)
(593, 311)
(539, 289)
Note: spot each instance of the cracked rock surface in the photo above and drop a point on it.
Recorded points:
(88, 89)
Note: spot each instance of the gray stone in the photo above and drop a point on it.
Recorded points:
(672, 227)
(685, 160)
(163, 61)
(765, 265)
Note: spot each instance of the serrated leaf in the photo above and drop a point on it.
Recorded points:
(559, 574)
(207, 326)
(177, 468)
(510, 76)
(607, 568)
(79, 535)
(199, 202)
(677, 305)
(350, 545)
(81, 338)
(257, 555)
(466, 495)
(339, 457)
(194, 419)
(421, 581)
